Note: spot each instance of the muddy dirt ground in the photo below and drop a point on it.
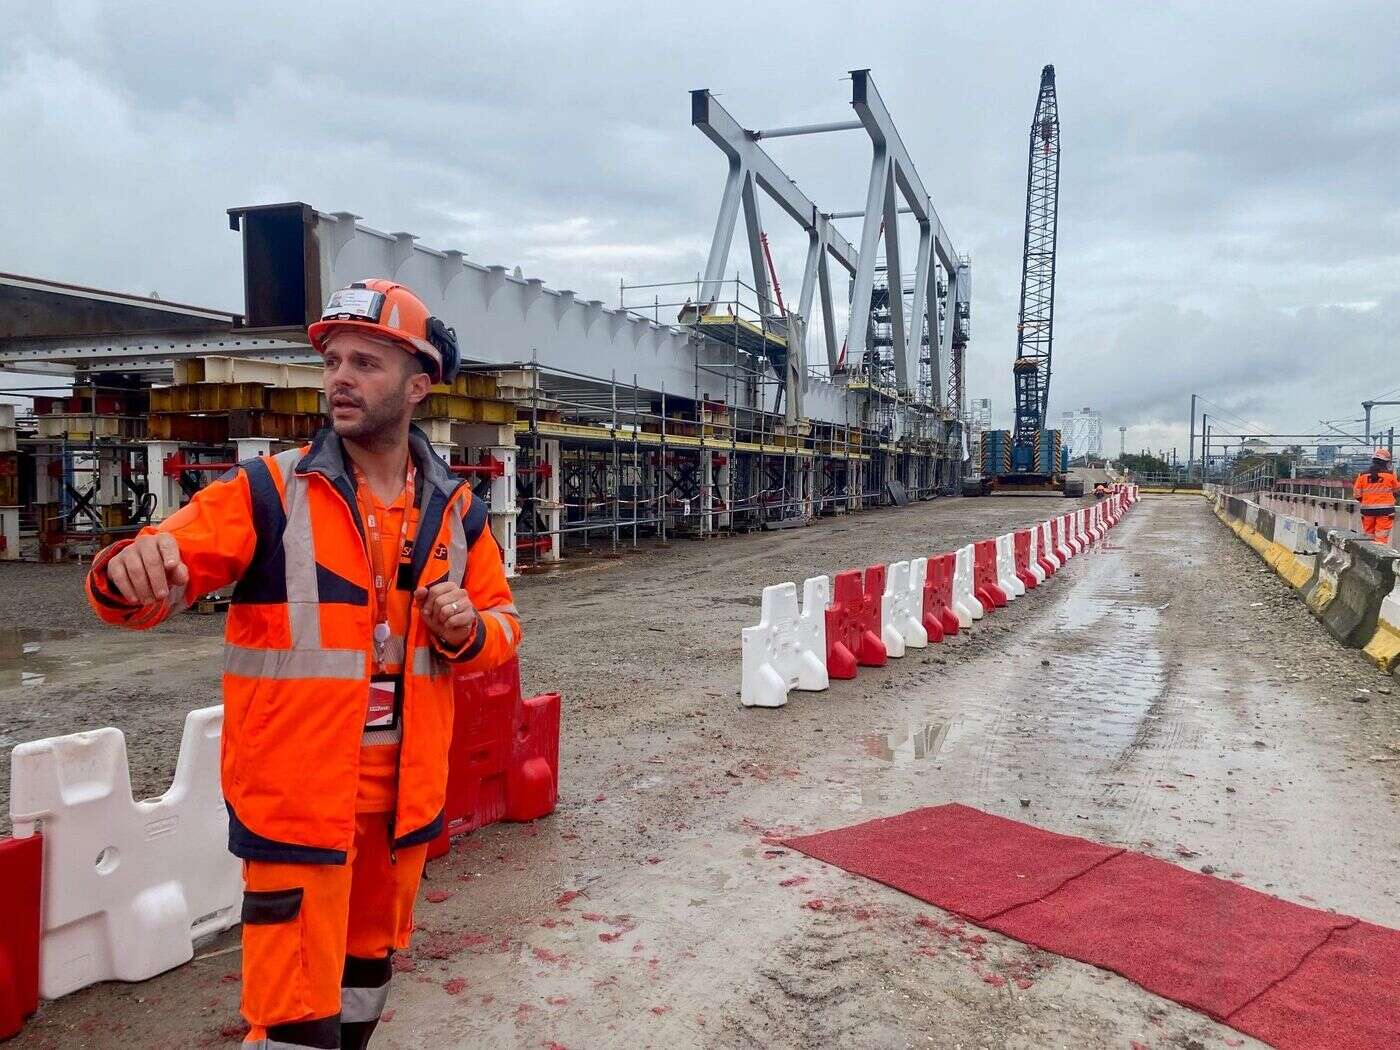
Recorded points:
(1165, 692)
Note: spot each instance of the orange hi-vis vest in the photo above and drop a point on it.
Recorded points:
(286, 531)
(1377, 497)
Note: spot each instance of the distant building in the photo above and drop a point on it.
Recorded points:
(1082, 431)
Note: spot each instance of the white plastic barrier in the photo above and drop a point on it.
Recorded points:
(1079, 522)
(965, 603)
(1062, 543)
(901, 609)
(1098, 524)
(1046, 530)
(1007, 579)
(787, 650)
(128, 886)
(1034, 566)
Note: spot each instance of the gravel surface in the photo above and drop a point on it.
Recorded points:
(1163, 692)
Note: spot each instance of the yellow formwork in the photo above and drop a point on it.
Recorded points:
(208, 397)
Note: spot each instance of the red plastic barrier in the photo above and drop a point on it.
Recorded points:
(872, 650)
(1062, 537)
(1022, 541)
(938, 596)
(21, 875)
(984, 575)
(843, 624)
(1044, 541)
(1072, 539)
(504, 755)
(532, 786)
(928, 616)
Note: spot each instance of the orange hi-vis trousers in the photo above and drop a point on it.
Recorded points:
(1378, 526)
(318, 941)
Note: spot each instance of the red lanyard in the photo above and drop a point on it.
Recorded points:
(383, 579)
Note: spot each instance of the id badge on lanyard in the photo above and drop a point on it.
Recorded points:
(382, 710)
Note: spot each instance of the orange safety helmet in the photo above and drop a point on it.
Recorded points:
(1382, 454)
(386, 308)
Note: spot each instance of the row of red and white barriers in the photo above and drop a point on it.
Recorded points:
(863, 618)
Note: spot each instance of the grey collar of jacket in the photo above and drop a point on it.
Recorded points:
(327, 457)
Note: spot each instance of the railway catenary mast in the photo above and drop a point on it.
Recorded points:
(1036, 322)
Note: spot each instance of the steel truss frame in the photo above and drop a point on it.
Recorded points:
(892, 177)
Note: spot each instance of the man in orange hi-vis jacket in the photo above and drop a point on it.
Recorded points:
(1375, 490)
(363, 573)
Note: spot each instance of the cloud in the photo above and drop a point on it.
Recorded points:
(1228, 219)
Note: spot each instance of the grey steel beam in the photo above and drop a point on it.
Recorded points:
(33, 309)
(906, 371)
(124, 351)
(744, 152)
(870, 107)
(902, 210)
(807, 129)
(502, 319)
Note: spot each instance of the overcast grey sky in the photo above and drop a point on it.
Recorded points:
(1228, 218)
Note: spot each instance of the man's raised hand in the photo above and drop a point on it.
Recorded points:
(145, 572)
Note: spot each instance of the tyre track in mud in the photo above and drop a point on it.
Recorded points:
(656, 908)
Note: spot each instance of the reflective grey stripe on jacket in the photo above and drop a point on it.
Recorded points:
(456, 550)
(299, 556)
(305, 659)
(294, 664)
(501, 615)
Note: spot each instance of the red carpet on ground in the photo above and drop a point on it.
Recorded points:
(1296, 977)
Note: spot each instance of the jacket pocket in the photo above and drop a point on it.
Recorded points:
(270, 907)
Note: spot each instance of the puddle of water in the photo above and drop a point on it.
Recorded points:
(910, 744)
(31, 657)
(23, 660)
(1082, 610)
(1123, 665)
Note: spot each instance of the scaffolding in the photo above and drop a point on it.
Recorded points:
(690, 409)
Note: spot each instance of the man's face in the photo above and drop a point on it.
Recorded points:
(371, 385)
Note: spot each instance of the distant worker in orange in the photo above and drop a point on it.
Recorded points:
(363, 573)
(1375, 490)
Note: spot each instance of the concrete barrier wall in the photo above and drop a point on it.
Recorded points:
(1384, 646)
(1349, 583)
(1323, 511)
(1363, 584)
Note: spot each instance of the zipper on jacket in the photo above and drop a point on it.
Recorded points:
(369, 569)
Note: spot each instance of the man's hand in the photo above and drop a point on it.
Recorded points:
(145, 572)
(448, 612)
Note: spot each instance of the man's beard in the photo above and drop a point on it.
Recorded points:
(377, 422)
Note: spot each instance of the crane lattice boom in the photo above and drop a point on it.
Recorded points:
(1036, 321)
